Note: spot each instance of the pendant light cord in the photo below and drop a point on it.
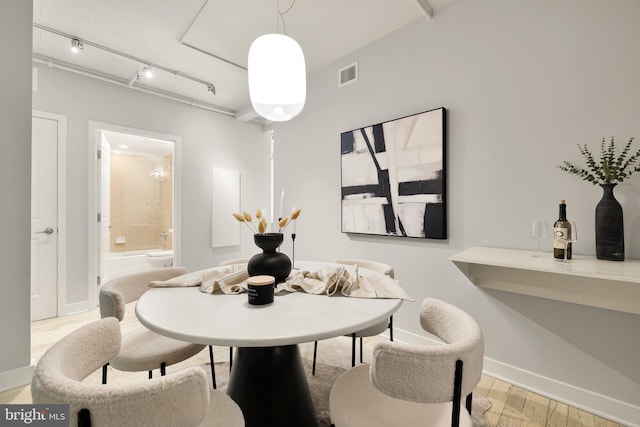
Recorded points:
(281, 14)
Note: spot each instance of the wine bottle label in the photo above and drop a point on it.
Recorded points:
(559, 244)
(560, 234)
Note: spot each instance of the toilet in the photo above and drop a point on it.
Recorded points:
(159, 259)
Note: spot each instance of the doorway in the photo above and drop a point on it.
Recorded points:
(48, 213)
(136, 201)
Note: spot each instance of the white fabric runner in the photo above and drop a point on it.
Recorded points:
(330, 280)
(227, 279)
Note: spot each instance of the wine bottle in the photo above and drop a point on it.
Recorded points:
(562, 233)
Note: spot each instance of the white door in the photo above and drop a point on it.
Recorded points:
(44, 218)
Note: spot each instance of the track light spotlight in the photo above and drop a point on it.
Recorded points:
(212, 89)
(76, 45)
(147, 72)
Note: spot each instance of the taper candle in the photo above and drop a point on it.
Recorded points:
(282, 204)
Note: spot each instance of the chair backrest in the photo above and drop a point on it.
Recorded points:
(178, 399)
(116, 293)
(234, 261)
(380, 267)
(426, 374)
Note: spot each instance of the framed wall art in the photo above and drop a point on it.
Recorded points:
(393, 177)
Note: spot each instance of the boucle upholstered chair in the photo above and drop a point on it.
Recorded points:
(143, 349)
(409, 385)
(371, 331)
(180, 399)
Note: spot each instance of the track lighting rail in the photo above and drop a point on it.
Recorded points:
(210, 86)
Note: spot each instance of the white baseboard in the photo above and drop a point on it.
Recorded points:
(16, 377)
(588, 400)
(595, 403)
(76, 307)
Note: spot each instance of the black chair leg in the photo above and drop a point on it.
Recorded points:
(391, 328)
(163, 369)
(84, 418)
(230, 358)
(353, 349)
(104, 374)
(150, 374)
(213, 371)
(457, 395)
(361, 361)
(469, 402)
(315, 353)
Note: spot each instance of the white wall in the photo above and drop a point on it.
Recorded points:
(15, 190)
(523, 82)
(208, 140)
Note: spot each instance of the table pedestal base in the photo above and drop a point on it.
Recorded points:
(270, 386)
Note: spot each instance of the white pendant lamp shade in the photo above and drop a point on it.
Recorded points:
(277, 77)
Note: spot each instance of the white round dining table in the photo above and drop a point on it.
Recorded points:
(268, 380)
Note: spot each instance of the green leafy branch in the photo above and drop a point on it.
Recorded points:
(611, 168)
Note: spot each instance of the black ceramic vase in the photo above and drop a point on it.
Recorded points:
(269, 262)
(609, 226)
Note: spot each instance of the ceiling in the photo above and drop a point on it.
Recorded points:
(194, 45)
(137, 145)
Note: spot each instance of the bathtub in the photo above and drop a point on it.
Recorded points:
(116, 264)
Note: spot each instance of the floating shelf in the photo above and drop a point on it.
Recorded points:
(614, 285)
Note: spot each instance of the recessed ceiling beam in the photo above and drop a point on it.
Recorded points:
(246, 114)
(213, 55)
(425, 7)
(184, 43)
(193, 21)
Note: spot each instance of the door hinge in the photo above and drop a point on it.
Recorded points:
(99, 154)
(99, 217)
(98, 280)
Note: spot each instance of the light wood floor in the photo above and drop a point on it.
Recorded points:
(512, 406)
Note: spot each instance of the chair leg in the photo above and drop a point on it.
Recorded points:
(84, 418)
(230, 358)
(104, 374)
(163, 369)
(315, 353)
(457, 395)
(213, 371)
(150, 374)
(361, 360)
(469, 402)
(353, 349)
(391, 328)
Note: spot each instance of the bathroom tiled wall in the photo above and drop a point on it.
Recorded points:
(141, 202)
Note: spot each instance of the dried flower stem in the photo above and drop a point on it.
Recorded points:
(243, 218)
(282, 224)
(246, 218)
(294, 216)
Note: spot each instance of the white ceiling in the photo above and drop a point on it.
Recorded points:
(137, 144)
(207, 40)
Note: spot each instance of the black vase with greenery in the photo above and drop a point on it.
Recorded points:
(609, 226)
(611, 169)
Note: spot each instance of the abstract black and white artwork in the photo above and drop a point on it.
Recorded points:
(393, 177)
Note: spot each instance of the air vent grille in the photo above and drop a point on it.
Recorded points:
(348, 74)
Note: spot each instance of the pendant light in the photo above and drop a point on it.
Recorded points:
(277, 77)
